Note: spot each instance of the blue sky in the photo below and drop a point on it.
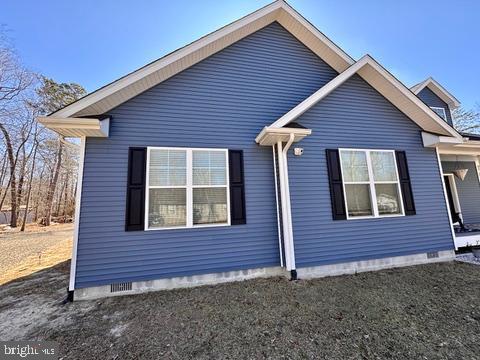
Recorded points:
(95, 42)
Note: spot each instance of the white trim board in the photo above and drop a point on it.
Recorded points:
(438, 90)
(387, 85)
(78, 200)
(445, 196)
(127, 87)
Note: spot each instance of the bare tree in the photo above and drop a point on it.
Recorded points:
(467, 120)
(37, 169)
(30, 182)
(14, 78)
(54, 96)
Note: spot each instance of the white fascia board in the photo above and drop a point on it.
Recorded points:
(318, 95)
(438, 90)
(377, 69)
(209, 44)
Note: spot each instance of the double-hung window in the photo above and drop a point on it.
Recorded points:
(370, 183)
(186, 188)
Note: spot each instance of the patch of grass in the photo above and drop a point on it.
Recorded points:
(52, 256)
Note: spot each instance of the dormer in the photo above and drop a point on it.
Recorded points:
(437, 98)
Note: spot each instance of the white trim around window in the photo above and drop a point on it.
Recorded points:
(186, 183)
(440, 111)
(371, 182)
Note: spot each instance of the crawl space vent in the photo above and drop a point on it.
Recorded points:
(126, 286)
(432, 255)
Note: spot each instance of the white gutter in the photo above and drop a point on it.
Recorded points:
(286, 207)
(276, 202)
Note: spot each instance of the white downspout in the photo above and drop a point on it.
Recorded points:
(286, 208)
(276, 202)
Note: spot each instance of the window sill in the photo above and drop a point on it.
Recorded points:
(374, 217)
(202, 226)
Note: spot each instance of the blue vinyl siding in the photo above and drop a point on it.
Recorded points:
(357, 116)
(468, 189)
(429, 98)
(222, 102)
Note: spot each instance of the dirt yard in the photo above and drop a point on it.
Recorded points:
(37, 248)
(421, 312)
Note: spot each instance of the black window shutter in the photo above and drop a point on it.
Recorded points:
(336, 186)
(405, 185)
(135, 211)
(238, 214)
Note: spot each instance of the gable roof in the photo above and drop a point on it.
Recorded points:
(387, 85)
(438, 90)
(127, 87)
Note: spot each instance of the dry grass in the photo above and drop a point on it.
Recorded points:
(33, 263)
(420, 312)
(34, 228)
(39, 247)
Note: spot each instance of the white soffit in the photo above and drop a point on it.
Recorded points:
(270, 136)
(125, 88)
(77, 127)
(387, 85)
(438, 90)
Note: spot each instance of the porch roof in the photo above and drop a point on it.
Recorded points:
(450, 145)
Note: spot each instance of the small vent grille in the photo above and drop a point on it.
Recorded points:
(127, 286)
(432, 255)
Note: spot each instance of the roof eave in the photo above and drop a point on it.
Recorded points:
(77, 127)
(387, 85)
(438, 90)
(121, 90)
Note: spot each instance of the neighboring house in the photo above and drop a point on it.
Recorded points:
(261, 149)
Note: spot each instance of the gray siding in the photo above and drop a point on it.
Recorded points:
(224, 101)
(357, 116)
(468, 189)
(429, 98)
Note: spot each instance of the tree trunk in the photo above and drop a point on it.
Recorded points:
(29, 192)
(53, 185)
(38, 194)
(21, 180)
(13, 183)
(65, 200)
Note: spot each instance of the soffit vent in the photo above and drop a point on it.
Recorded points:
(126, 286)
(432, 255)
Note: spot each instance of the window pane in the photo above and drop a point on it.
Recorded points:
(354, 166)
(167, 207)
(440, 112)
(388, 200)
(358, 200)
(209, 168)
(383, 164)
(209, 205)
(168, 167)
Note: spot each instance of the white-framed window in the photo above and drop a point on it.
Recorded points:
(440, 111)
(186, 188)
(370, 183)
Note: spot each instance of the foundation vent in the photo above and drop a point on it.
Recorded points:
(432, 255)
(126, 286)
